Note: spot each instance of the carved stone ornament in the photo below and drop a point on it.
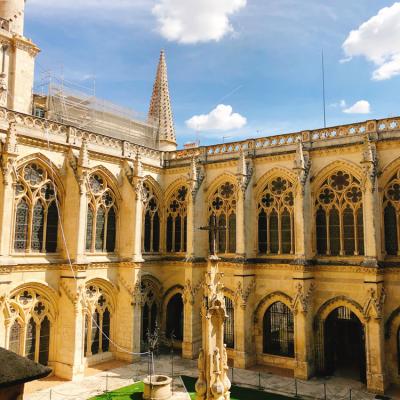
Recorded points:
(374, 303)
(244, 172)
(369, 163)
(302, 164)
(195, 177)
(302, 299)
(241, 295)
(9, 153)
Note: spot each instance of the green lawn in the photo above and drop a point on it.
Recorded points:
(237, 393)
(131, 392)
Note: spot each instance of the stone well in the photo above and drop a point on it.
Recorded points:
(157, 387)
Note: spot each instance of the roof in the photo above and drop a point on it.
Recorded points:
(15, 369)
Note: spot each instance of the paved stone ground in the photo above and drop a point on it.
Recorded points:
(336, 388)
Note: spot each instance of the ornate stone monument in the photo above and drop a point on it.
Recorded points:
(213, 382)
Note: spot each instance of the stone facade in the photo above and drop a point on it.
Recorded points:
(99, 233)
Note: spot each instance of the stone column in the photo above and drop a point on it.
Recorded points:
(240, 233)
(303, 221)
(7, 194)
(74, 218)
(375, 349)
(69, 353)
(190, 227)
(191, 311)
(303, 324)
(128, 313)
(371, 209)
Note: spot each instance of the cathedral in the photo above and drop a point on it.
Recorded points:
(100, 240)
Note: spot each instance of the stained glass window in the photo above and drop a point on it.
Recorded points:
(176, 220)
(15, 337)
(36, 220)
(391, 206)
(151, 221)
(101, 217)
(44, 342)
(30, 341)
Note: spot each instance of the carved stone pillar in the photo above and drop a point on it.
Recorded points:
(244, 346)
(240, 232)
(371, 209)
(7, 194)
(190, 227)
(191, 312)
(69, 357)
(128, 313)
(374, 333)
(302, 206)
(303, 324)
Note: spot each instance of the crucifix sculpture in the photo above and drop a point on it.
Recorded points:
(213, 228)
(213, 382)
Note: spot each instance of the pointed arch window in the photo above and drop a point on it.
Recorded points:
(97, 321)
(29, 333)
(151, 220)
(177, 221)
(278, 330)
(101, 216)
(339, 216)
(36, 211)
(276, 218)
(222, 204)
(391, 215)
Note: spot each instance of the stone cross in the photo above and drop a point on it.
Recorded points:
(213, 228)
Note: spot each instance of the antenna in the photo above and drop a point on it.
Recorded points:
(323, 86)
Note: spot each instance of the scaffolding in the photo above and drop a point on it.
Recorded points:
(76, 105)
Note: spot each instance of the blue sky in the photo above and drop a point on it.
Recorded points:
(256, 63)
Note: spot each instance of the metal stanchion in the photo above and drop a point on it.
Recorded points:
(295, 387)
(259, 381)
(350, 394)
(50, 393)
(324, 390)
(232, 375)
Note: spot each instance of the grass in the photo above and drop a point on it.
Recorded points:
(135, 392)
(237, 393)
(131, 392)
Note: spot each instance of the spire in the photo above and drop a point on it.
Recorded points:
(160, 107)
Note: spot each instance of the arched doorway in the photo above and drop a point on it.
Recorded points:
(344, 345)
(174, 323)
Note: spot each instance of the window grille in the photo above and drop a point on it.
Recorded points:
(36, 215)
(275, 217)
(339, 216)
(229, 324)
(101, 216)
(279, 330)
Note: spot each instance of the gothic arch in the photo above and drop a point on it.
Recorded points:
(156, 187)
(172, 291)
(268, 300)
(388, 171)
(108, 287)
(225, 177)
(110, 177)
(392, 322)
(42, 159)
(324, 173)
(270, 174)
(339, 301)
(175, 185)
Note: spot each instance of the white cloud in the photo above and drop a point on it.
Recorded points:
(378, 39)
(193, 21)
(342, 104)
(359, 107)
(221, 118)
